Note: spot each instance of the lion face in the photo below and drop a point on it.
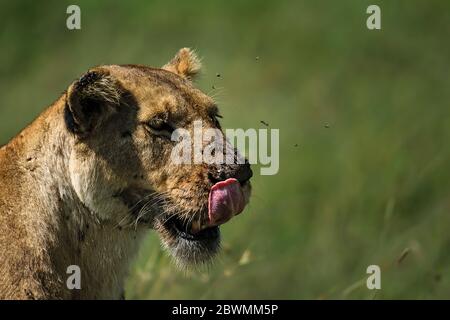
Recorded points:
(123, 119)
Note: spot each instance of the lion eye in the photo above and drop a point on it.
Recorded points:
(159, 127)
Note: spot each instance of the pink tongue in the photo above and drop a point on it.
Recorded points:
(225, 201)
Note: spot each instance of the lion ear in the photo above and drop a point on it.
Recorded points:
(186, 64)
(89, 100)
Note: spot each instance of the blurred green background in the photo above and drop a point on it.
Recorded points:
(364, 125)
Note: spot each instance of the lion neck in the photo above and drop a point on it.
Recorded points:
(59, 221)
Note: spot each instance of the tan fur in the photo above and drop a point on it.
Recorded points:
(62, 193)
(185, 63)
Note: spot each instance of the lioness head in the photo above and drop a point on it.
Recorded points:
(122, 118)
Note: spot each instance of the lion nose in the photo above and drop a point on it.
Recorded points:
(240, 172)
(243, 172)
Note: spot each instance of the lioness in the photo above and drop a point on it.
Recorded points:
(84, 182)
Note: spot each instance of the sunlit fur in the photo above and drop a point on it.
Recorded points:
(86, 180)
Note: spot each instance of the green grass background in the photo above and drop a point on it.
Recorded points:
(364, 129)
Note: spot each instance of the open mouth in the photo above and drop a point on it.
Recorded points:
(195, 242)
(189, 231)
(188, 247)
